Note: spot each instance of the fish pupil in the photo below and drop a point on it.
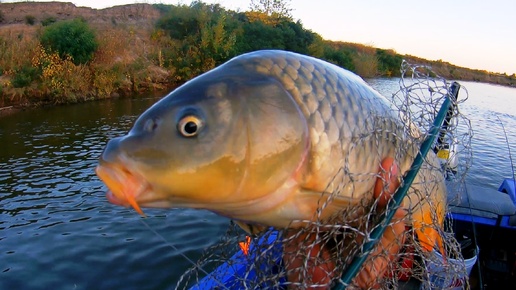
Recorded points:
(190, 128)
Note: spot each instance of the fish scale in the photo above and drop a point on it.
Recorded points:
(321, 94)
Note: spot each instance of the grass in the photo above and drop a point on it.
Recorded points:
(125, 62)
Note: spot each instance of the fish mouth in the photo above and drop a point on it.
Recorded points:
(125, 187)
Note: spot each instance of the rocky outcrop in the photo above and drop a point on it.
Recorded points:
(132, 13)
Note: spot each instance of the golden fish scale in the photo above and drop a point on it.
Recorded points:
(347, 120)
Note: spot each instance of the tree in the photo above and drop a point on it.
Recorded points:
(201, 37)
(258, 35)
(272, 8)
(389, 62)
(341, 57)
(270, 12)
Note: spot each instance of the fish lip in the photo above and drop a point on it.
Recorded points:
(162, 204)
(111, 197)
(125, 187)
(133, 189)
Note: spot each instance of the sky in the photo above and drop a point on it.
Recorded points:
(477, 34)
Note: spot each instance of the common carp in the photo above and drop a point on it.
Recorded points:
(262, 139)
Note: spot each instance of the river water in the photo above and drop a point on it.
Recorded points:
(57, 230)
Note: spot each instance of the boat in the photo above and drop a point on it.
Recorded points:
(487, 217)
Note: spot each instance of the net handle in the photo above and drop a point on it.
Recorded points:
(439, 124)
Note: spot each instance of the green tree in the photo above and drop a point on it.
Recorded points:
(340, 57)
(202, 37)
(389, 62)
(257, 35)
(74, 38)
(284, 34)
(272, 8)
(316, 48)
(295, 37)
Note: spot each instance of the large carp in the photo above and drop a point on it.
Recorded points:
(262, 139)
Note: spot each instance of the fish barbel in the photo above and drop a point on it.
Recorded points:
(261, 139)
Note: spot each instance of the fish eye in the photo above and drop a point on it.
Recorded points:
(189, 126)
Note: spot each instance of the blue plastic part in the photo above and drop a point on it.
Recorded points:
(509, 186)
(239, 272)
(504, 221)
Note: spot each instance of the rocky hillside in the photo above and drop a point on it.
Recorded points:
(15, 13)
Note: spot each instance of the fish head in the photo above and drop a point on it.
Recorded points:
(223, 142)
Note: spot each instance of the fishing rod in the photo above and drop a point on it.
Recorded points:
(441, 122)
(508, 148)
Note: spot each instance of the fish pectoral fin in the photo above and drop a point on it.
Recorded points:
(252, 229)
(246, 245)
(319, 206)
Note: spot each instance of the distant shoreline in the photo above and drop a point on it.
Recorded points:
(138, 52)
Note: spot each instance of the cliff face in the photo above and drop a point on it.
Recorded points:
(133, 13)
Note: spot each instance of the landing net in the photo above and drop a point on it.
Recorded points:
(316, 255)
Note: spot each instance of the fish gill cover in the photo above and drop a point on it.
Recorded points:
(316, 255)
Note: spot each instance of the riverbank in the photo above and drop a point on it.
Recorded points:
(124, 63)
(4, 111)
(144, 48)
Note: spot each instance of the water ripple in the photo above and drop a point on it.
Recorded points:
(57, 231)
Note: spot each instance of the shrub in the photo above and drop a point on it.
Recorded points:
(30, 20)
(24, 76)
(70, 38)
(60, 79)
(2, 17)
(49, 20)
(366, 65)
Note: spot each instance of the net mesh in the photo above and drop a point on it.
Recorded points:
(316, 255)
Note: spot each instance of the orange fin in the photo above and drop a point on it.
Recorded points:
(425, 228)
(134, 204)
(244, 246)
